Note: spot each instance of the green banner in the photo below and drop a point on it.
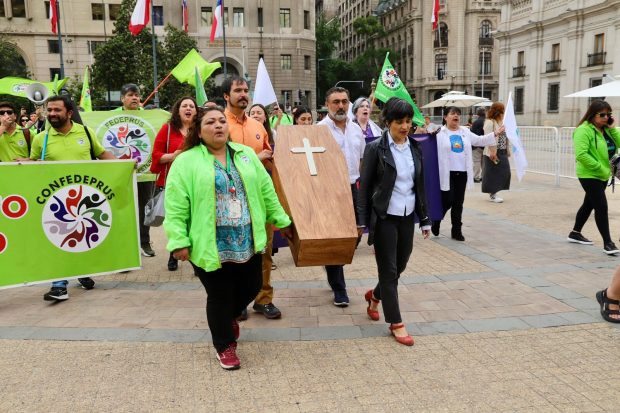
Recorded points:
(128, 134)
(61, 220)
(17, 86)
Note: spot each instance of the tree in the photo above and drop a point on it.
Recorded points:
(368, 26)
(329, 70)
(11, 61)
(125, 58)
(327, 36)
(368, 65)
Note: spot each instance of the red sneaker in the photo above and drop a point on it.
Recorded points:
(228, 358)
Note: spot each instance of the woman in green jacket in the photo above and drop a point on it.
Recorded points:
(218, 197)
(595, 140)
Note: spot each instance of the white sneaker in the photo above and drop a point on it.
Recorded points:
(496, 199)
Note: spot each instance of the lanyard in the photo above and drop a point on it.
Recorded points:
(231, 182)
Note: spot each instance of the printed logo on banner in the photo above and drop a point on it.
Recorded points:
(127, 137)
(77, 218)
(390, 79)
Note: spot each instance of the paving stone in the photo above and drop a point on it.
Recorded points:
(543, 321)
(558, 292)
(330, 333)
(494, 324)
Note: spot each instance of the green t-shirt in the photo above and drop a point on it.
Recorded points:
(74, 146)
(13, 146)
(286, 120)
(122, 108)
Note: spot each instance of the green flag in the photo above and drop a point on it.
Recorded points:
(184, 70)
(67, 219)
(389, 85)
(128, 134)
(201, 95)
(16, 86)
(85, 101)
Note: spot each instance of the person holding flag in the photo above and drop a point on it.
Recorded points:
(495, 164)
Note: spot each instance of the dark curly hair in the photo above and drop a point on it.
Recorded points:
(175, 119)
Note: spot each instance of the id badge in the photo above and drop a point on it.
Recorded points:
(234, 209)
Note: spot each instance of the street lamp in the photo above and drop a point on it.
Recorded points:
(349, 81)
(482, 71)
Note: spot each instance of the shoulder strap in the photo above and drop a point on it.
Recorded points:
(26, 133)
(90, 141)
(167, 147)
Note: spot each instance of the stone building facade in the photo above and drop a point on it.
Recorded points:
(282, 32)
(549, 49)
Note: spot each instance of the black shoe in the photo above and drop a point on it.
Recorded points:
(435, 228)
(146, 249)
(477, 180)
(458, 236)
(173, 264)
(244, 315)
(610, 249)
(56, 294)
(577, 238)
(268, 310)
(341, 299)
(87, 283)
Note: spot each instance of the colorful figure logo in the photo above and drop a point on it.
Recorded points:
(77, 218)
(129, 140)
(390, 79)
(456, 143)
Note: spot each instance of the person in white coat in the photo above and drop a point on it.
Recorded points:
(456, 167)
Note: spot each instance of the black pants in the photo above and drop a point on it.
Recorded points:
(393, 245)
(145, 192)
(335, 273)
(594, 199)
(229, 290)
(454, 198)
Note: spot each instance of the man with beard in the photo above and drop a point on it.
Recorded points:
(350, 138)
(247, 131)
(66, 141)
(14, 141)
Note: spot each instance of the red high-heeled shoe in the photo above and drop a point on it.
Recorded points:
(373, 314)
(407, 340)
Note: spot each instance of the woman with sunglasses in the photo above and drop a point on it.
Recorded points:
(595, 141)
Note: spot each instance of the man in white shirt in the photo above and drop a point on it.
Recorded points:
(350, 138)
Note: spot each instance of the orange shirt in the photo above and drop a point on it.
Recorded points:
(247, 131)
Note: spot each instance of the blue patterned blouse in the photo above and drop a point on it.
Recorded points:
(233, 235)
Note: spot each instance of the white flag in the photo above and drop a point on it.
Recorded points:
(512, 131)
(263, 89)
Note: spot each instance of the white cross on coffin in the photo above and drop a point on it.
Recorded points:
(309, 150)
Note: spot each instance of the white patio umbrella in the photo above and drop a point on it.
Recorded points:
(606, 89)
(455, 98)
(487, 103)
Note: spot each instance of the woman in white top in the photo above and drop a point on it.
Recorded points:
(456, 170)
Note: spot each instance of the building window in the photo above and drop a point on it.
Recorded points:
(441, 35)
(46, 4)
(97, 11)
(238, 17)
(3, 13)
(158, 15)
(598, 57)
(113, 11)
(52, 47)
(554, 65)
(553, 97)
(485, 63)
(307, 64)
(599, 43)
(441, 64)
(306, 20)
(595, 81)
(260, 17)
(206, 16)
(18, 8)
(485, 29)
(93, 45)
(285, 62)
(285, 17)
(54, 71)
(519, 100)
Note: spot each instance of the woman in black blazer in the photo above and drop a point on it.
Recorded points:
(391, 190)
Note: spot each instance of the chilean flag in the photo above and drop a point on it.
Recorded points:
(185, 16)
(140, 16)
(218, 22)
(435, 17)
(53, 16)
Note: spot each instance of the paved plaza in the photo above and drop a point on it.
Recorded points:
(506, 321)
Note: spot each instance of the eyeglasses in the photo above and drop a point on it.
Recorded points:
(600, 114)
(6, 112)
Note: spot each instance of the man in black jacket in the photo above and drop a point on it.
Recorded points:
(476, 151)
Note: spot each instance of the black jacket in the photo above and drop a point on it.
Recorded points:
(377, 182)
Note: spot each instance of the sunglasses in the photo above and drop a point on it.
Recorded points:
(6, 112)
(604, 114)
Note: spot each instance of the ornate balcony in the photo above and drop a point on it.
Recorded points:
(518, 71)
(553, 66)
(596, 59)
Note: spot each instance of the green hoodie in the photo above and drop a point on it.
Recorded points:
(190, 202)
(591, 151)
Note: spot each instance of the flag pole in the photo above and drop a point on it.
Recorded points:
(154, 40)
(224, 36)
(62, 63)
(156, 90)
